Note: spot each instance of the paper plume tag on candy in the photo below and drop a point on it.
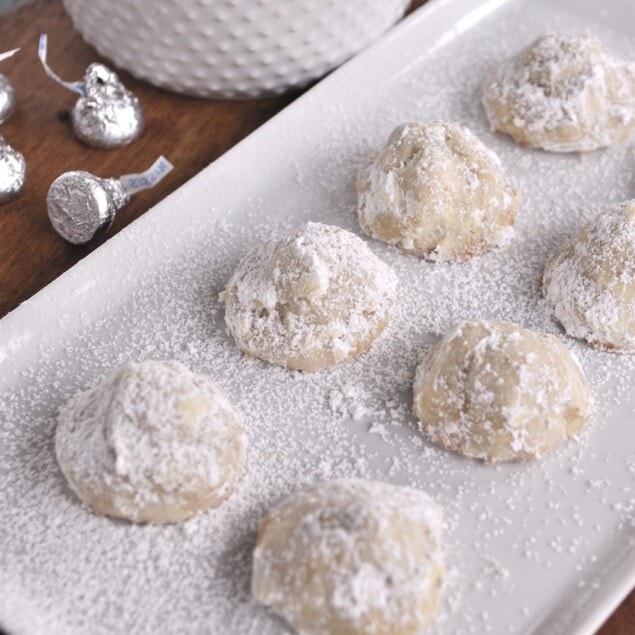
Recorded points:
(8, 54)
(77, 87)
(133, 183)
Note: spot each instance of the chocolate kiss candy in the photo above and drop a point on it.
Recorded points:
(82, 206)
(7, 91)
(106, 115)
(7, 98)
(12, 171)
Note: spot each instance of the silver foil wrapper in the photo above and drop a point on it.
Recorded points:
(12, 171)
(7, 98)
(108, 115)
(82, 206)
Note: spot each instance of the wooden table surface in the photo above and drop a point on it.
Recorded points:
(190, 132)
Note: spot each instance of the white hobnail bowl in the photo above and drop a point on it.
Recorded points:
(231, 48)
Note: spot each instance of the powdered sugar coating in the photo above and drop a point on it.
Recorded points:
(435, 190)
(309, 300)
(589, 283)
(351, 557)
(153, 442)
(498, 392)
(563, 93)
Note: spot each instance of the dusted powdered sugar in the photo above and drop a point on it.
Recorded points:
(151, 442)
(351, 556)
(589, 283)
(311, 299)
(563, 93)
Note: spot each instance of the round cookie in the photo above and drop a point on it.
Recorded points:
(589, 283)
(153, 442)
(436, 191)
(309, 300)
(564, 93)
(351, 557)
(498, 392)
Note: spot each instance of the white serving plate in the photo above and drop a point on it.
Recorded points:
(547, 547)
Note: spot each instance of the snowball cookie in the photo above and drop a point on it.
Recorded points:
(309, 300)
(351, 557)
(589, 283)
(563, 93)
(153, 442)
(498, 392)
(436, 191)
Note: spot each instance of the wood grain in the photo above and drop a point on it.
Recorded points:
(190, 132)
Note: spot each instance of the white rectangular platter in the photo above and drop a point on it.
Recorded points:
(546, 547)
